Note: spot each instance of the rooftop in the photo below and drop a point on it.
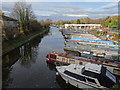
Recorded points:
(82, 24)
(6, 18)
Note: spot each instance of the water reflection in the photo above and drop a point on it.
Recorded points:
(50, 33)
(6, 79)
(25, 52)
(59, 79)
(25, 55)
(51, 67)
(7, 61)
(63, 85)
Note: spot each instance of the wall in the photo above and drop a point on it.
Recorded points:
(10, 29)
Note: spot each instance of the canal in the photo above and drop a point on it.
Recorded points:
(25, 67)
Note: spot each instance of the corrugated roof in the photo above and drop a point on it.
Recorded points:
(82, 24)
(88, 40)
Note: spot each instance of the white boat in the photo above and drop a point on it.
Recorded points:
(87, 76)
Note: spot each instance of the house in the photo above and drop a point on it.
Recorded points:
(9, 27)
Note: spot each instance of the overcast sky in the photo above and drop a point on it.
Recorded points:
(68, 10)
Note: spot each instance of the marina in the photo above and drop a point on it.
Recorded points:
(82, 42)
(86, 49)
(34, 60)
(59, 45)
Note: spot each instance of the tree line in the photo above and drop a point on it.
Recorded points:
(111, 22)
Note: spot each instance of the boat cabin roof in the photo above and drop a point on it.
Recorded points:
(75, 68)
(93, 71)
(93, 67)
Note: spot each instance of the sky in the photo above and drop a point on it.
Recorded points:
(68, 10)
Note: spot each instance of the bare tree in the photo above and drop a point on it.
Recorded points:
(23, 13)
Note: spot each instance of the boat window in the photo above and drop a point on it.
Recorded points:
(63, 59)
(75, 75)
(58, 58)
(83, 69)
(116, 71)
(112, 77)
(71, 61)
(90, 74)
(91, 80)
(104, 80)
(80, 63)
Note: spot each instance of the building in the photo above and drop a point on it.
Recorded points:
(83, 26)
(9, 27)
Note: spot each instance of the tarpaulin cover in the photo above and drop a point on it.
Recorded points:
(90, 40)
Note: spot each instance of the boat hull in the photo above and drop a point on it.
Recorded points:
(76, 83)
(51, 61)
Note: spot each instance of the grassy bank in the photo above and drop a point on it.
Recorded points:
(115, 87)
(7, 46)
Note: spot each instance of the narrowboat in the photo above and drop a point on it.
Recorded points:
(55, 57)
(105, 52)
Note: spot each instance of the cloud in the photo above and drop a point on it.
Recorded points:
(110, 5)
(66, 6)
(43, 13)
(75, 15)
(6, 12)
(83, 11)
(70, 10)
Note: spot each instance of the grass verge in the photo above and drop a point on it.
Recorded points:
(8, 46)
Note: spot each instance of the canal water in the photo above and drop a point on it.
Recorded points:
(26, 67)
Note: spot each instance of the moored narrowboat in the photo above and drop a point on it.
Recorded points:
(68, 59)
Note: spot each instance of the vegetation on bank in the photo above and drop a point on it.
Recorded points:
(26, 21)
(29, 27)
(111, 22)
(115, 87)
(16, 42)
(25, 16)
